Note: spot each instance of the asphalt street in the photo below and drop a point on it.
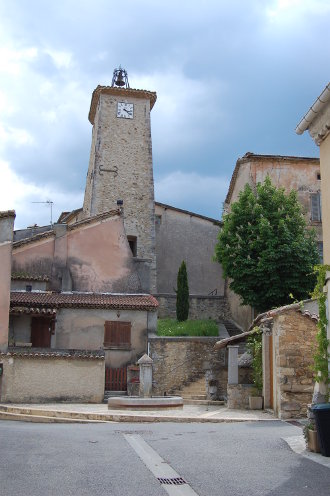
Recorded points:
(228, 459)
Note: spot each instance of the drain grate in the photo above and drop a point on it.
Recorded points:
(176, 481)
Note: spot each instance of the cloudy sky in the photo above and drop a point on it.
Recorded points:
(231, 77)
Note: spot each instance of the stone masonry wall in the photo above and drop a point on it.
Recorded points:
(294, 337)
(120, 168)
(238, 395)
(177, 361)
(200, 307)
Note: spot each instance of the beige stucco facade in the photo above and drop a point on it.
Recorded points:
(325, 188)
(6, 238)
(46, 378)
(83, 328)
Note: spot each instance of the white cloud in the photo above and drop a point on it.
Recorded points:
(291, 11)
(19, 195)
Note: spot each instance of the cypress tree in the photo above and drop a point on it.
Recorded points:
(182, 294)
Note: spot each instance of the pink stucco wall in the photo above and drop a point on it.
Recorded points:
(96, 254)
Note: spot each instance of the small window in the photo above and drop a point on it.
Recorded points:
(28, 288)
(158, 220)
(117, 334)
(132, 241)
(316, 207)
(318, 176)
(320, 250)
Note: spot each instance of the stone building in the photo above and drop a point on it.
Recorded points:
(120, 173)
(288, 338)
(301, 174)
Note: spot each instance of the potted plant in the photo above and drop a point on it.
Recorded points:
(310, 435)
(254, 346)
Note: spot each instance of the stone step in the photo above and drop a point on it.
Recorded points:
(194, 396)
(45, 418)
(43, 415)
(188, 401)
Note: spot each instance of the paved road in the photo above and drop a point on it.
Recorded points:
(239, 459)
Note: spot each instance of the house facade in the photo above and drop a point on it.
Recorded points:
(301, 174)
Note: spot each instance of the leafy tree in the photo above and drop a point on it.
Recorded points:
(182, 294)
(266, 249)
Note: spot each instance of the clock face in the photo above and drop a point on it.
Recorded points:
(125, 110)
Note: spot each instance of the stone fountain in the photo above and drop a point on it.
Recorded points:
(145, 400)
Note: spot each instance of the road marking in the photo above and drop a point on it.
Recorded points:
(158, 466)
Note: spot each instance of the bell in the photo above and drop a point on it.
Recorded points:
(120, 80)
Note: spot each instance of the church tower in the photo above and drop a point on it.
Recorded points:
(120, 169)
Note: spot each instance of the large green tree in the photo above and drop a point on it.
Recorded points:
(266, 249)
(182, 294)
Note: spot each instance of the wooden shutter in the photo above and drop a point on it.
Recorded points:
(117, 334)
(316, 207)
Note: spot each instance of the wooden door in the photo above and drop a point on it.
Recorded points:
(40, 332)
(116, 379)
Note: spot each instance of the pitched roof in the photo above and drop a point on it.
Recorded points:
(68, 354)
(193, 214)
(71, 227)
(266, 318)
(314, 110)
(124, 92)
(83, 300)
(248, 157)
(24, 276)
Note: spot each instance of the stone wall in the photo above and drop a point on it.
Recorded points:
(238, 395)
(200, 307)
(294, 337)
(120, 168)
(183, 235)
(52, 376)
(177, 361)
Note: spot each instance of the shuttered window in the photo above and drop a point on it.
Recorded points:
(117, 334)
(316, 207)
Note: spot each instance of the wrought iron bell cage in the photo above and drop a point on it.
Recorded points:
(120, 78)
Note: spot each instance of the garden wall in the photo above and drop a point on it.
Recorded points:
(294, 338)
(200, 306)
(36, 377)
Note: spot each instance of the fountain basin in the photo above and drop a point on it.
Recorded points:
(140, 403)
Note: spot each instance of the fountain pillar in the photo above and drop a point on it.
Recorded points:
(145, 364)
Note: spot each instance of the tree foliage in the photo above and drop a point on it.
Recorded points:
(266, 249)
(182, 294)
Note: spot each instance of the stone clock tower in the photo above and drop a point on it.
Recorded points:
(120, 167)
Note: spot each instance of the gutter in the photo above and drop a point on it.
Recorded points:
(316, 108)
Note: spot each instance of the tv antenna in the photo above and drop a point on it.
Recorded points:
(50, 203)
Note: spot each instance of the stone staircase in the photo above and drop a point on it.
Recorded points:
(194, 393)
(195, 390)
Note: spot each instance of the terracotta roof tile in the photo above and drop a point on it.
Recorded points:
(24, 276)
(69, 354)
(83, 300)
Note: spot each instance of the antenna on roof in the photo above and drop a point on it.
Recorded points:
(50, 203)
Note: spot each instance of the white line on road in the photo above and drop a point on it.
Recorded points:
(158, 466)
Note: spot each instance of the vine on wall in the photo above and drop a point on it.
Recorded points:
(321, 357)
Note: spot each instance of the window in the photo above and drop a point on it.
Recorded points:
(132, 244)
(316, 207)
(318, 176)
(320, 250)
(117, 334)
